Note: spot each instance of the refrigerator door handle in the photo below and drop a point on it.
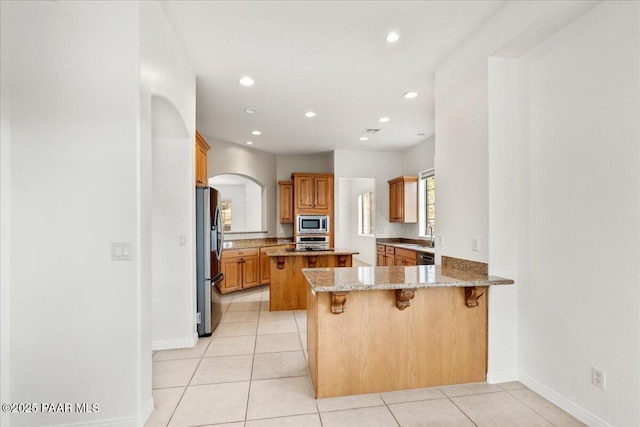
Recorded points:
(207, 242)
(219, 228)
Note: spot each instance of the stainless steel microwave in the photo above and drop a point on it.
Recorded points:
(312, 224)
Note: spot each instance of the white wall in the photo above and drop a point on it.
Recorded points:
(581, 308)
(5, 211)
(227, 157)
(311, 163)
(462, 131)
(253, 195)
(347, 214)
(168, 81)
(416, 159)
(382, 167)
(237, 195)
(509, 208)
(75, 317)
(521, 152)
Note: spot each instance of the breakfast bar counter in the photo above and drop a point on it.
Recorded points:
(376, 329)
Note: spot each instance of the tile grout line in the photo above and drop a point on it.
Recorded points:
(253, 361)
(187, 386)
(536, 412)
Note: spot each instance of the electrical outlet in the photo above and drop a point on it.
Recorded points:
(598, 378)
(198, 318)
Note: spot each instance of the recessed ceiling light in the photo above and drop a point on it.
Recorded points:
(363, 138)
(392, 37)
(250, 110)
(383, 119)
(309, 114)
(256, 132)
(249, 143)
(246, 81)
(410, 95)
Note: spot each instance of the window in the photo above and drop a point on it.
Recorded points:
(366, 208)
(225, 210)
(427, 209)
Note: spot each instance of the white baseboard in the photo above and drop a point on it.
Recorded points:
(560, 401)
(146, 412)
(174, 344)
(496, 377)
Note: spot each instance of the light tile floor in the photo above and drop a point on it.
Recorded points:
(252, 372)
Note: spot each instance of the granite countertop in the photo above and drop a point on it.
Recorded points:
(376, 278)
(284, 252)
(411, 247)
(254, 243)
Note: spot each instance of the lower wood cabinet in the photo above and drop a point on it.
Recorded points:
(386, 256)
(404, 257)
(240, 268)
(390, 256)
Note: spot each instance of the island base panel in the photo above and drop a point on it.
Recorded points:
(288, 288)
(374, 347)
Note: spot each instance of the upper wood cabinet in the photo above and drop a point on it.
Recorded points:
(286, 202)
(403, 199)
(313, 193)
(201, 160)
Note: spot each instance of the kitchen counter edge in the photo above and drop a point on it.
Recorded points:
(385, 278)
(284, 252)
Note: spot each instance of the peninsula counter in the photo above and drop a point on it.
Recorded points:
(376, 329)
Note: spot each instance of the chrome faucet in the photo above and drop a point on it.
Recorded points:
(433, 243)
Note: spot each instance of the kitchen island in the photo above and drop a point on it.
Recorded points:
(376, 329)
(288, 288)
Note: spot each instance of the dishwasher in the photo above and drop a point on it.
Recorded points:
(425, 258)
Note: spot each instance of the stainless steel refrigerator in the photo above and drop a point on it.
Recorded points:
(209, 239)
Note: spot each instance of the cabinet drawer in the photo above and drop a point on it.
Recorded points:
(406, 253)
(231, 253)
(391, 250)
(381, 248)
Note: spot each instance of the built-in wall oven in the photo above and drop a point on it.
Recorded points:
(312, 242)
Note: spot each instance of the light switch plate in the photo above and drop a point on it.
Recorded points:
(182, 240)
(121, 251)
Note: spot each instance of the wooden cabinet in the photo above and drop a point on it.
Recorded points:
(392, 256)
(240, 268)
(403, 199)
(201, 160)
(386, 256)
(381, 256)
(313, 193)
(405, 257)
(265, 263)
(286, 202)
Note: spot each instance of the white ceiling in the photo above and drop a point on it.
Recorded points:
(330, 57)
